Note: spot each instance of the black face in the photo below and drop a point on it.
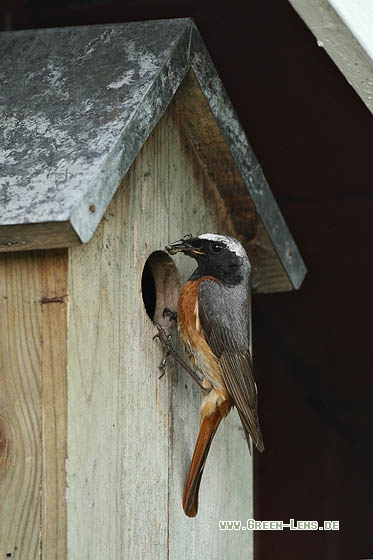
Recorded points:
(205, 248)
(213, 258)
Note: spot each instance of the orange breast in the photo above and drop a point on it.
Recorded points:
(192, 337)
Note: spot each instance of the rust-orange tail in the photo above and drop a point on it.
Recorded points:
(209, 425)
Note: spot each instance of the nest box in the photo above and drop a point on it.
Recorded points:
(116, 139)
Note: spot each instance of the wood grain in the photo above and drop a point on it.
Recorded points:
(54, 404)
(24, 237)
(131, 435)
(226, 489)
(77, 319)
(29, 444)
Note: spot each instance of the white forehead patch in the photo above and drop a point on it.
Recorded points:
(232, 244)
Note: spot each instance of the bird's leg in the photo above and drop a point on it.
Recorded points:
(170, 351)
(172, 315)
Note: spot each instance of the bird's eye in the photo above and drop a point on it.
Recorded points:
(216, 248)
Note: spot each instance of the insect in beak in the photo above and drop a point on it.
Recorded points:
(183, 245)
(178, 246)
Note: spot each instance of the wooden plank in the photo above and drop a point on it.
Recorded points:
(26, 237)
(29, 400)
(343, 29)
(196, 205)
(130, 435)
(118, 409)
(20, 408)
(54, 404)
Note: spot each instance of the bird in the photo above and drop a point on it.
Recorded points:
(214, 328)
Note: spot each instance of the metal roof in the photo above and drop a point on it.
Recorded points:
(77, 105)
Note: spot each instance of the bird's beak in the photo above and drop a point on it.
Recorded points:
(178, 246)
(184, 246)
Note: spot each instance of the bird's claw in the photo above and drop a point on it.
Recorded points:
(162, 365)
(170, 351)
(172, 315)
(165, 341)
(162, 335)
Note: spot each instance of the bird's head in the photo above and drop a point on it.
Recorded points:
(217, 255)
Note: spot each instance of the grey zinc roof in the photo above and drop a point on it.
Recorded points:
(78, 103)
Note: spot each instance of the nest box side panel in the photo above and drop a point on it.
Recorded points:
(131, 435)
(226, 491)
(33, 359)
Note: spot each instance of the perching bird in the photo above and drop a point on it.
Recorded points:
(213, 325)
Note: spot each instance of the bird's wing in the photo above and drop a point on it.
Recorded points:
(225, 335)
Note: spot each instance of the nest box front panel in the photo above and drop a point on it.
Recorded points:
(139, 431)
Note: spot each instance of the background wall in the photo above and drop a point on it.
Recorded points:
(313, 349)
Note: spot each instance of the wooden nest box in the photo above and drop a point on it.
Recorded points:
(116, 140)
